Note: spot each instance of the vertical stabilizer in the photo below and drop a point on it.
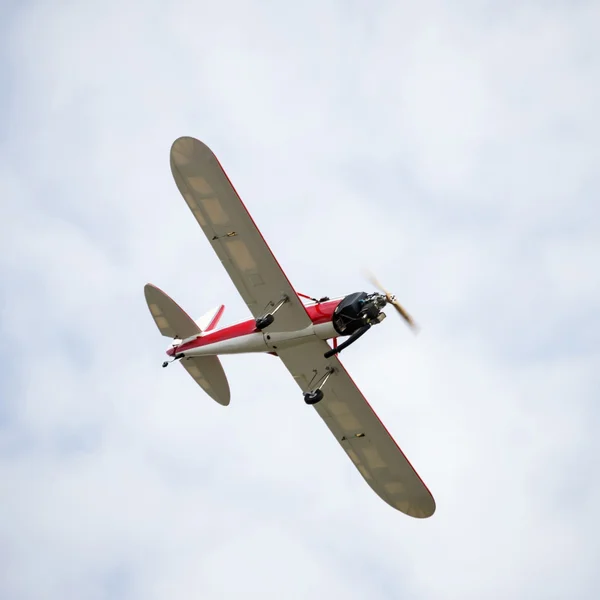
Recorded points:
(210, 320)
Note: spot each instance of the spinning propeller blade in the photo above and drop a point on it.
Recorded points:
(393, 301)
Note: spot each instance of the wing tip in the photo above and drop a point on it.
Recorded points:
(149, 287)
(184, 148)
(424, 508)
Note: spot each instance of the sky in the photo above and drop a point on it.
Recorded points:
(451, 149)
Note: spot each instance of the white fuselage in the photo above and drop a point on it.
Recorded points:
(264, 341)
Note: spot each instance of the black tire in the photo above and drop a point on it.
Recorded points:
(264, 322)
(313, 397)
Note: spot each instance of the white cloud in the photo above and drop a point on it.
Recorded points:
(453, 151)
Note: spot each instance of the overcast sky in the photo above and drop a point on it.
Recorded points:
(453, 148)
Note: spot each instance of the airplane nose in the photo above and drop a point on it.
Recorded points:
(171, 352)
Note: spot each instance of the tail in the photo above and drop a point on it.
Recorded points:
(173, 322)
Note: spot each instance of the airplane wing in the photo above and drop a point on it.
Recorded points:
(233, 234)
(359, 431)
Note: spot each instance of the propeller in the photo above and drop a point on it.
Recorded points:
(393, 301)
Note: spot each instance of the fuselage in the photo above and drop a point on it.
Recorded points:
(244, 337)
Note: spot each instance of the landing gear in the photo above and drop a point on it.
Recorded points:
(313, 397)
(266, 320)
(316, 395)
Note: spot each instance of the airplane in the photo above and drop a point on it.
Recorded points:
(291, 326)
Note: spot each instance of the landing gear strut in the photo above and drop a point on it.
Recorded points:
(266, 320)
(316, 395)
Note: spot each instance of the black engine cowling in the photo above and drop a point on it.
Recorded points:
(355, 311)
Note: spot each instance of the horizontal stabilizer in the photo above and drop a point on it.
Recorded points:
(208, 373)
(172, 321)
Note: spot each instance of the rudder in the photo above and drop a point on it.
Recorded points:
(210, 320)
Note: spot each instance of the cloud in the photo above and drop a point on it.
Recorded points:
(452, 151)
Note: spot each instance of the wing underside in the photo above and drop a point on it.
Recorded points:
(359, 431)
(233, 234)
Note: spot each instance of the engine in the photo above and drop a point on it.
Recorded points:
(357, 310)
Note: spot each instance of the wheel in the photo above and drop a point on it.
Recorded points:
(313, 397)
(264, 322)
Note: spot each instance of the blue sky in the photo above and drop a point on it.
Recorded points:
(452, 150)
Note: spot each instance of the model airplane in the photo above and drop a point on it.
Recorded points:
(286, 324)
